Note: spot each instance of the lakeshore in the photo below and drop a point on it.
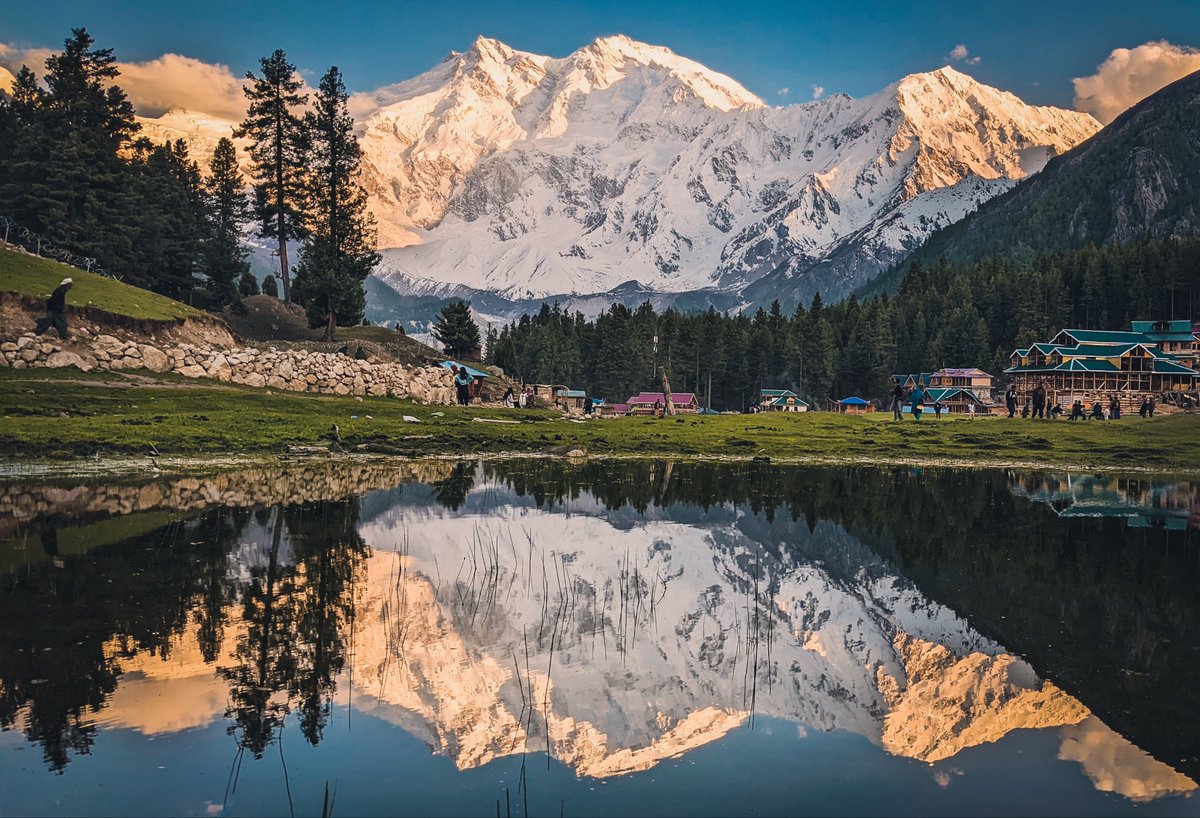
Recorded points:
(67, 416)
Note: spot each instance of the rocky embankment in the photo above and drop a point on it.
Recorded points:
(77, 503)
(221, 359)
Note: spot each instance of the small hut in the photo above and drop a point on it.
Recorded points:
(855, 406)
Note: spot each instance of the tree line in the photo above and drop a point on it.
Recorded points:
(942, 315)
(77, 172)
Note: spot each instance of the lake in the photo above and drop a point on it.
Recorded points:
(536, 637)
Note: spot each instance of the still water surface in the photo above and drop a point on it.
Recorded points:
(534, 637)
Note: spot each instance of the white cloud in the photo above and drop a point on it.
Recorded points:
(960, 53)
(1129, 75)
(155, 86)
(784, 91)
(818, 91)
(175, 81)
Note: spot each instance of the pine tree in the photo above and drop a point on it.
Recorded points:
(279, 152)
(169, 220)
(247, 284)
(225, 261)
(270, 286)
(65, 176)
(456, 330)
(341, 249)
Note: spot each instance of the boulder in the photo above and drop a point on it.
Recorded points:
(61, 359)
(191, 371)
(154, 359)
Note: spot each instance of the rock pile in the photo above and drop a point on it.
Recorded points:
(294, 370)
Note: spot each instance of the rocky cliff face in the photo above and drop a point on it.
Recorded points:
(1139, 178)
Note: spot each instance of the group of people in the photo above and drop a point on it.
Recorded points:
(518, 400)
(1036, 405)
(916, 404)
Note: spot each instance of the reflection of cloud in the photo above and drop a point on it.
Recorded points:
(1129, 75)
(1115, 765)
(159, 695)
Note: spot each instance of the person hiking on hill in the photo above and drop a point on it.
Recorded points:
(897, 401)
(1010, 400)
(56, 310)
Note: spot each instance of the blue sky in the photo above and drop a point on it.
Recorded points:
(1033, 49)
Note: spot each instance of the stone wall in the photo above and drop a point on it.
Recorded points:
(77, 503)
(294, 370)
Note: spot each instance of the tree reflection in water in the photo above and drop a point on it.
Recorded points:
(1106, 611)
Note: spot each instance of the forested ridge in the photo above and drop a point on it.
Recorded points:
(942, 315)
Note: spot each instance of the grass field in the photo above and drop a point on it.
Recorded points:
(64, 413)
(37, 277)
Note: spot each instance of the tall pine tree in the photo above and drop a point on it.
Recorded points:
(224, 257)
(456, 330)
(65, 177)
(341, 247)
(279, 151)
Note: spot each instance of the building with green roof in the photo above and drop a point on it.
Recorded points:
(1155, 357)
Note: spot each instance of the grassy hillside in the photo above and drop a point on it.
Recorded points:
(37, 277)
(67, 414)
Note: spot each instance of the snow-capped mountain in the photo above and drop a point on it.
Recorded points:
(624, 171)
(531, 177)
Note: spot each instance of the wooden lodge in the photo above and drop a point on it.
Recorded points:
(646, 403)
(781, 400)
(1094, 364)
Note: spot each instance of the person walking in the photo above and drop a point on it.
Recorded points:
(1150, 407)
(915, 399)
(971, 410)
(509, 399)
(1039, 401)
(56, 310)
(1114, 408)
(897, 401)
(1010, 400)
(1144, 408)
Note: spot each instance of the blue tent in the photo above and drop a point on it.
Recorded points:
(853, 402)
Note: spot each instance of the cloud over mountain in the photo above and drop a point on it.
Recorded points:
(1129, 75)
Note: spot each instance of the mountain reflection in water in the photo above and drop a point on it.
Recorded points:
(610, 615)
